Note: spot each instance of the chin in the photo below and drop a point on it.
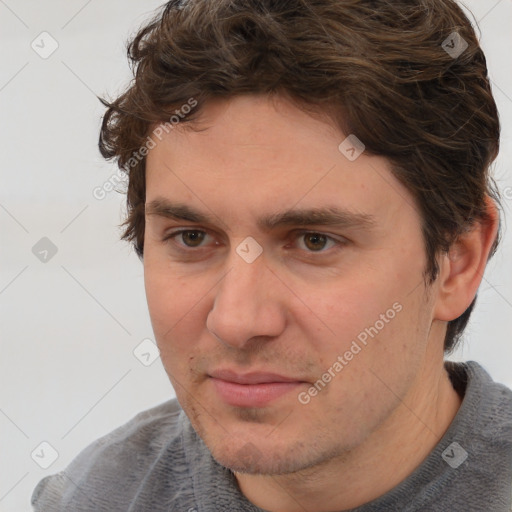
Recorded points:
(261, 457)
(250, 460)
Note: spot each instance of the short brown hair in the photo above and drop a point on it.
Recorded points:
(382, 69)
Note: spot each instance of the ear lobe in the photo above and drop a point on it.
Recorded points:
(462, 268)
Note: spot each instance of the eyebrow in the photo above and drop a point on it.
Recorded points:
(327, 216)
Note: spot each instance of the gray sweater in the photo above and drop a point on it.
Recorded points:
(157, 463)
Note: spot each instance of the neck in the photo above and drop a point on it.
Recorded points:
(386, 458)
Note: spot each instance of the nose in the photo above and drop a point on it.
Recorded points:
(247, 304)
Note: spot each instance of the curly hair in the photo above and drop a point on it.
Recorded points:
(407, 77)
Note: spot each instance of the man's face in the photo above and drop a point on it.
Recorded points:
(284, 358)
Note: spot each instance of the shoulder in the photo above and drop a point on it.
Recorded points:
(473, 377)
(486, 402)
(493, 404)
(483, 431)
(111, 468)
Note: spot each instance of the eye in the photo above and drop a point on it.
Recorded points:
(309, 241)
(316, 242)
(189, 237)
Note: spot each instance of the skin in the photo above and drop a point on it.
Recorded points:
(301, 304)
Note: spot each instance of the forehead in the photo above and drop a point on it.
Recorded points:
(253, 154)
(255, 126)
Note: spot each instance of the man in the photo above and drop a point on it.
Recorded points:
(309, 193)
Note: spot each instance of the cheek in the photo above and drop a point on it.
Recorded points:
(171, 302)
(343, 310)
(369, 323)
(166, 291)
(178, 308)
(161, 299)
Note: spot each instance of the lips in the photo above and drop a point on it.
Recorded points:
(250, 378)
(256, 389)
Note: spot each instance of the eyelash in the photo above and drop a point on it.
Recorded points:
(185, 249)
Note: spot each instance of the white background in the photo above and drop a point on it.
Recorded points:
(69, 326)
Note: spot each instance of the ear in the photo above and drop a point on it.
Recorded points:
(462, 268)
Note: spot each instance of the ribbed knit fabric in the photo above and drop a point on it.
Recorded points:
(157, 463)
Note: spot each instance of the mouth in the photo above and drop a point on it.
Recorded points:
(256, 389)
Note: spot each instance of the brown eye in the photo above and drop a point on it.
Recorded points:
(192, 238)
(315, 241)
